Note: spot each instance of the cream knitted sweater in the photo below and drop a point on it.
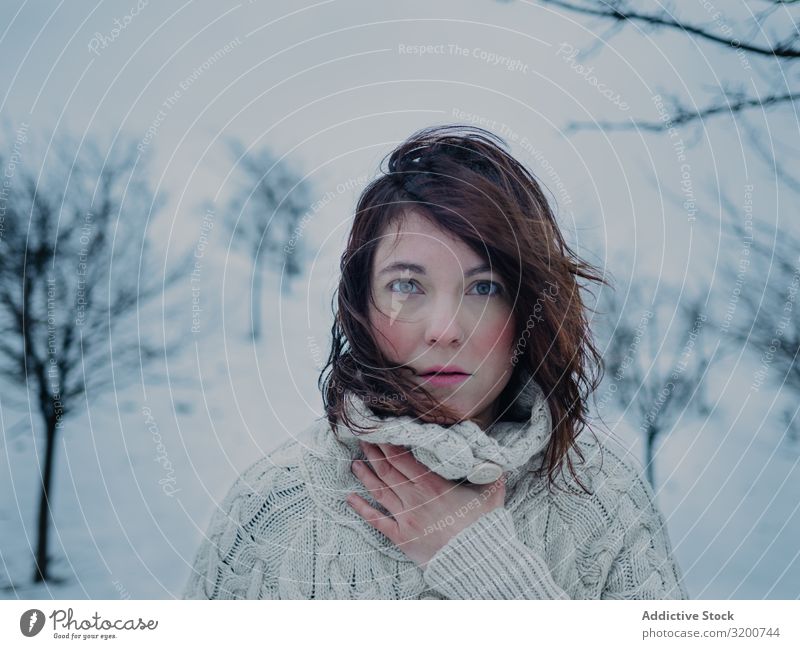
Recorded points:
(284, 530)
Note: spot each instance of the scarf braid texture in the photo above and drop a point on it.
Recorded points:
(285, 531)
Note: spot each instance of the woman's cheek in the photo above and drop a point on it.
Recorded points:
(496, 333)
(393, 336)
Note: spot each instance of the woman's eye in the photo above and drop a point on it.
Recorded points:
(488, 287)
(402, 286)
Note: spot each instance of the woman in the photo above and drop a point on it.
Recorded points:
(455, 393)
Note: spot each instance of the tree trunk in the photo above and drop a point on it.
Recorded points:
(41, 567)
(652, 433)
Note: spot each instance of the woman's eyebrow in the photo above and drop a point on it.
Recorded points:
(416, 268)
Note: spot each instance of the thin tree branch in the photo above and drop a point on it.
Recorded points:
(684, 116)
(782, 50)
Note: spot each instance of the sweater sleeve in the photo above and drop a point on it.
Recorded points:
(488, 561)
(631, 554)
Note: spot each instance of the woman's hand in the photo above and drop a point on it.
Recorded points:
(426, 509)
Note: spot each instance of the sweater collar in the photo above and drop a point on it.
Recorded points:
(462, 450)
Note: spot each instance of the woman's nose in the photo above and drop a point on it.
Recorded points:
(444, 325)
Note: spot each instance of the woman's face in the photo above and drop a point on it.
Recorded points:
(439, 305)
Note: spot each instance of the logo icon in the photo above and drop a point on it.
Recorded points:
(31, 622)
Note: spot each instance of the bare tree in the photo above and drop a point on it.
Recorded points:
(265, 217)
(771, 38)
(74, 266)
(649, 379)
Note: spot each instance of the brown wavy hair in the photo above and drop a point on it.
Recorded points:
(465, 181)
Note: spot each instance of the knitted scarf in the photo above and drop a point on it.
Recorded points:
(463, 450)
(352, 557)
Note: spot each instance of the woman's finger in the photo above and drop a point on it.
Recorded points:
(383, 468)
(377, 487)
(386, 525)
(404, 461)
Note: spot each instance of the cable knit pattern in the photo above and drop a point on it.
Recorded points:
(285, 531)
(457, 451)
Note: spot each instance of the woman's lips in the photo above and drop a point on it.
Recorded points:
(444, 379)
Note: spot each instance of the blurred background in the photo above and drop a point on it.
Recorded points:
(177, 182)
